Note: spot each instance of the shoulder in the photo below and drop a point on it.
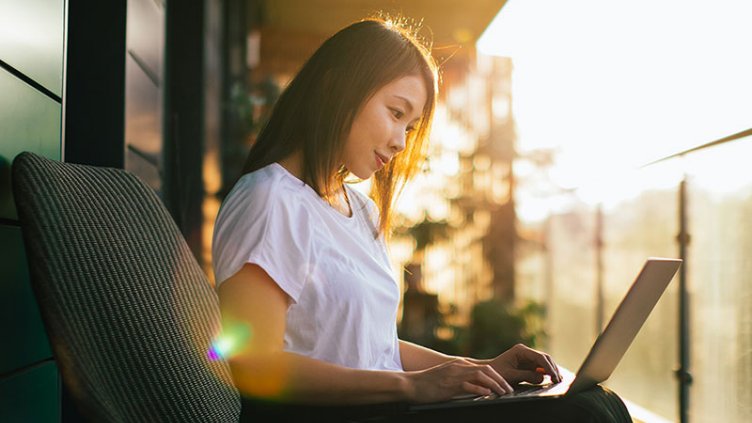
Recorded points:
(263, 191)
(268, 182)
(265, 220)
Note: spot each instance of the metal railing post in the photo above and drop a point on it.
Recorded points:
(599, 270)
(683, 374)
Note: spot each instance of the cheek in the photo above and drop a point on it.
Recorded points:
(368, 128)
(355, 139)
(356, 145)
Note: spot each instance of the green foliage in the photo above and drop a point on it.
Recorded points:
(496, 326)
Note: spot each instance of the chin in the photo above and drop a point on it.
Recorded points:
(362, 174)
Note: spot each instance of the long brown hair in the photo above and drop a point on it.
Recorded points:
(316, 111)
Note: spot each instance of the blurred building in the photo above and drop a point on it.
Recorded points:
(466, 193)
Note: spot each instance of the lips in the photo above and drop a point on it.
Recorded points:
(381, 161)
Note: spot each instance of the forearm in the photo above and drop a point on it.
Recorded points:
(295, 378)
(415, 357)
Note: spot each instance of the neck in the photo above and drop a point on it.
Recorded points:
(338, 199)
(294, 164)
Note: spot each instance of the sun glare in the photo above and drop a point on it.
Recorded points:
(613, 85)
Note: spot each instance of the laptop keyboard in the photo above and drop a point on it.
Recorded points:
(522, 390)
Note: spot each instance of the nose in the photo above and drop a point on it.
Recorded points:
(397, 143)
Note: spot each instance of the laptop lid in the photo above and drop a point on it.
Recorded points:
(626, 321)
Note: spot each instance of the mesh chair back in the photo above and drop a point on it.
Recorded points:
(128, 311)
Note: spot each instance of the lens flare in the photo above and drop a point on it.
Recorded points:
(230, 341)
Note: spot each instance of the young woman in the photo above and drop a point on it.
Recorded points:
(300, 258)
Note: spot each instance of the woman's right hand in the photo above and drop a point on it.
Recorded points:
(455, 378)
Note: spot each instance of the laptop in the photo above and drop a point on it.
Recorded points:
(605, 353)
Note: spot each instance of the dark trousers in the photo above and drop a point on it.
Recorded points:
(597, 405)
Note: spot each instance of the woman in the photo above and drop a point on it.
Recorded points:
(300, 258)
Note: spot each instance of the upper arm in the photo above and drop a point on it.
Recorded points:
(253, 309)
(256, 223)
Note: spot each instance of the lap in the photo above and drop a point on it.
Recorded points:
(597, 405)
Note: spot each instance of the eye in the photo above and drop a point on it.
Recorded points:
(409, 129)
(397, 113)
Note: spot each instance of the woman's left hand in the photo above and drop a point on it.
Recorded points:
(523, 364)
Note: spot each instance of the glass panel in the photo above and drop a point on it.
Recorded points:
(641, 219)
(571, 317)
(143, 111)
(31, 40)
(29, 121)
(145, 170)
(719, 266)
(145, 33)
(143, 129)
(639, 228)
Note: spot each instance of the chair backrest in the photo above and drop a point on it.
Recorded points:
(129, 313)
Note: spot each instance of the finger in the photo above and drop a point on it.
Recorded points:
(530, 376)
(489, 378)
(555, 368)
(472, 388)
(550, 368)
(541, 359)
(558, 370)
(482, 375)
(498, 378)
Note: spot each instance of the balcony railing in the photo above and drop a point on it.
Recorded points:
(693, 358)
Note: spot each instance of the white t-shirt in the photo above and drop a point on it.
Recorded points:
(344, 294)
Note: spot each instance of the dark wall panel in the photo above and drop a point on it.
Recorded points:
(21, 326)
(31, 396)
(32, 40)
(95, 80)
(29, 120)
(184, 124)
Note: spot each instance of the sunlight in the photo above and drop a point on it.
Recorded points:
(610, 86)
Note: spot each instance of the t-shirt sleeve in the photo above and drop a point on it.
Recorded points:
(265, 226)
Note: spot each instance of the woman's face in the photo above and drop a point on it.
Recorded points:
(381, 126)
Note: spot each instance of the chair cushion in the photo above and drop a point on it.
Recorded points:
(128, 310)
